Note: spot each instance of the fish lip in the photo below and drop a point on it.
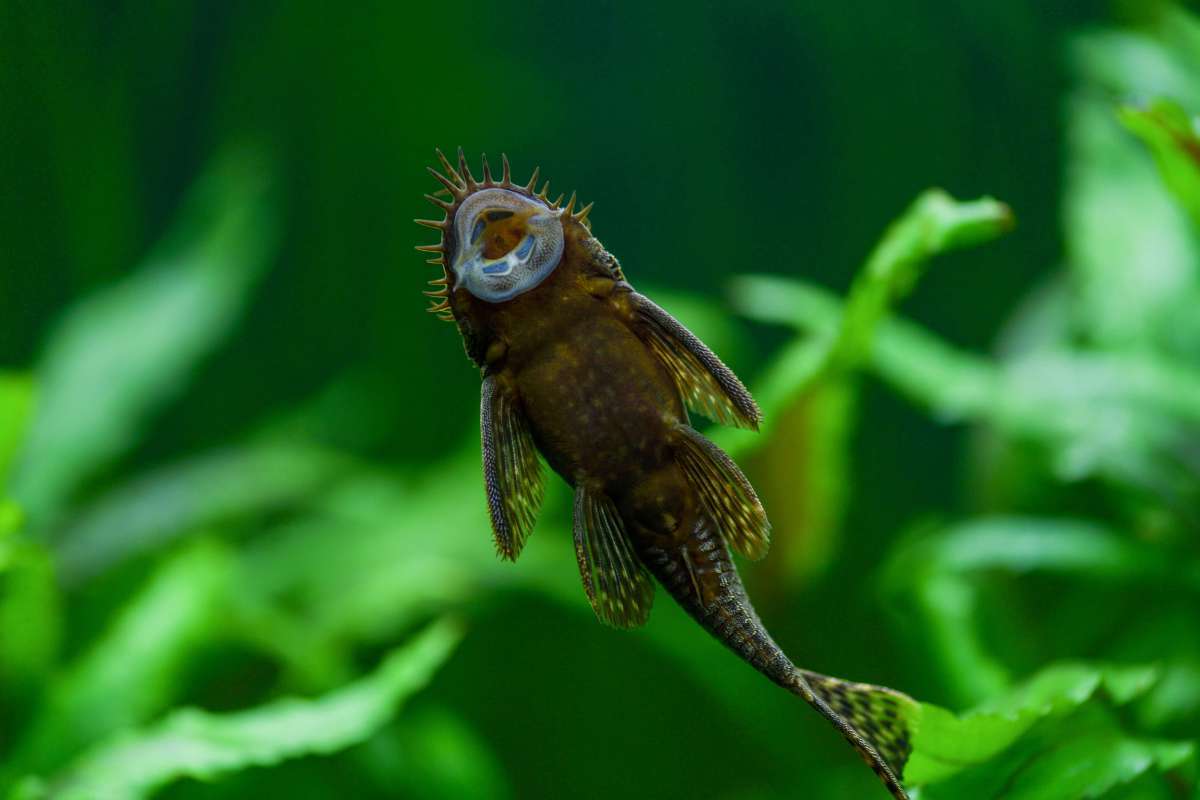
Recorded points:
(496, 280)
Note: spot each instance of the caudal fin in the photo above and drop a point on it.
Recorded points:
(877, 721)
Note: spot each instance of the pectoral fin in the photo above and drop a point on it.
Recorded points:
(725, 493)
(617, 585)
(706, 384)
(512, 474)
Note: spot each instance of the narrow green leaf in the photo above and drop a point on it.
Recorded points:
(1176, 698)
(119, 355)
(802, 472)
(1117, 415)
(31, 614)
(1172, 137)
(1133, 252)
(935, 575)
(935, 223)
(132, 671)
(808, 407)
(946, 608)
(11, 521)
(218, 487)
(433, 754)
(1121, 63)
(16, 405)
(199, 744)
(412, 545)
(1030, 544)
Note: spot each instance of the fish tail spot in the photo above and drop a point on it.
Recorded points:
(879, 722)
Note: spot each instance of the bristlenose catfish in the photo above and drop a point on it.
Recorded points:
(580, 367)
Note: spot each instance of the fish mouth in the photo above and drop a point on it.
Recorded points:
(475, 259)
(471, 267)
(509, 244)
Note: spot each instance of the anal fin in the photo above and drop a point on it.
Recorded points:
(725, 493)
(617, 584)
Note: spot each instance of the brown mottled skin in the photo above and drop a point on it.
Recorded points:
(607, 415)
(601, 407)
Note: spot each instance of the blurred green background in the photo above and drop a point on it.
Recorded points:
(243, 542)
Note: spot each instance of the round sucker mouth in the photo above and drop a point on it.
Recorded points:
(505, 243)
(457, 185)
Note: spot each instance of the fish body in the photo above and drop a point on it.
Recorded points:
(580, 367)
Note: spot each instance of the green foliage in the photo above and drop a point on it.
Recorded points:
(810, 391)
(210, 489)
(16, 401)
(128, 675)
(239, 482)
(1171, 135)
(947, 745)
(198, 744)
(119, 354)
(935, 223)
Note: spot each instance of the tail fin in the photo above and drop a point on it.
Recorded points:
(876, 720)
(699, 574)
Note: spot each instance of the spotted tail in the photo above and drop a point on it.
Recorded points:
(701, 577)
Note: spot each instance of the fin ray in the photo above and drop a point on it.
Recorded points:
(725, 493)
(617, 585)
(707, 386)
(883, 718)
(512, 474)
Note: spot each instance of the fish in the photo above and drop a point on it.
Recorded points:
(580, 368)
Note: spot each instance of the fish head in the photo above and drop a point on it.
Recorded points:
(499, 239)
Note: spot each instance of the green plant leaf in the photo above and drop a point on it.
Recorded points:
(1171, 136)
(1083, 753)
(1123, 416)
(433, 753)
(16, 405)
(11, 521)
(808, 407)
(212, 488)
(203, 745)
(842, 337)
(119, 355)
(1093, 763)
(412, 544)
(1022, 545)
(936, 575)
(935, 223)
(132, 671)
(1133, 253)
(31, 613)
(802, 474)
(946, 744)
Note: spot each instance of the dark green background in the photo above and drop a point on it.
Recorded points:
(716, 139)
